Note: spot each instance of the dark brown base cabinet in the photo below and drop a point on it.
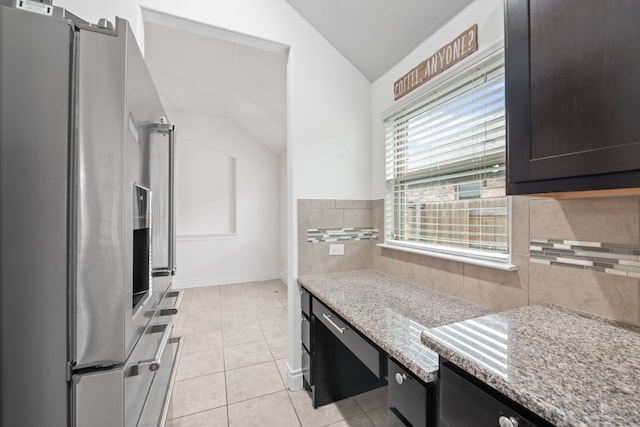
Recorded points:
(411, 402)
(572, 89)
(466, 402)
(339, 362)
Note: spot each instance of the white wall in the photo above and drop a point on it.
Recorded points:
(253, 252)
(205, 186)
(328, 103)
(488, 14)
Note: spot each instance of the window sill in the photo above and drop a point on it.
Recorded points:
(498, 265)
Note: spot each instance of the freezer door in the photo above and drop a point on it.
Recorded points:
(117, 397)
(156, 407)
(98, 399)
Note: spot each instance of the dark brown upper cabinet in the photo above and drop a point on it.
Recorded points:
(572, 95)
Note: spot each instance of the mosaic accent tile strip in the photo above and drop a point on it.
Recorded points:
(611, 258)
(316, 235)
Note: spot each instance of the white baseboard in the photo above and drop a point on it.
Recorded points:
(284, 276)
(294, 378)
(224, 280)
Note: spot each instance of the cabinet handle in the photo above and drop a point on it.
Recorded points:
(508, 422)
(400, 378)
(328, 317)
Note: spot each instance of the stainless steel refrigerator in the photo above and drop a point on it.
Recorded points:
(86, 225)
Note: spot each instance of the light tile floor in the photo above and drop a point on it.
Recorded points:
(234, 361)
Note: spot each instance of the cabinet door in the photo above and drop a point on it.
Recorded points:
(408, 396)
(572, 88)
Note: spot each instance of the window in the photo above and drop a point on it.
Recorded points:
(445, 155)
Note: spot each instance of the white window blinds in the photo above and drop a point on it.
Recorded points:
(445, 157)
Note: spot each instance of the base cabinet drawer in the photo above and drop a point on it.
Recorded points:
(464, 401)
(307, 340)
(408, 396)
(305, 302)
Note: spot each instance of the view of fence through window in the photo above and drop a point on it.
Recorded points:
(446, 165)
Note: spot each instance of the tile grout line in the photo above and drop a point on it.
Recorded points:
(224, 366)
(196, 413)
(256, 397)
(366, 414)
(295, 410)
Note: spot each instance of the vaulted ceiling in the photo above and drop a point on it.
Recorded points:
(214, 76)
(376, 34)
(219, 73)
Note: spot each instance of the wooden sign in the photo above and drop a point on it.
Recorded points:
(463, 45)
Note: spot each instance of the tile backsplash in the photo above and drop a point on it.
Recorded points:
(325, 222)
(341, 234)
(614, 220)
(610, 258)
(599, 238)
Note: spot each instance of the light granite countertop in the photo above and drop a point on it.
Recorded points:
(391, 312)
(570, 368)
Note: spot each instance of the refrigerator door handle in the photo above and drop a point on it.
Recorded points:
(172, 216)
(165, 128)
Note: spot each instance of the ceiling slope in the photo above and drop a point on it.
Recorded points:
(374, 35)
(220, 78)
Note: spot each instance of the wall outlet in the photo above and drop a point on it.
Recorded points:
(336, 249)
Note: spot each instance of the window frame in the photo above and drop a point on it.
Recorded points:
(500, 261)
